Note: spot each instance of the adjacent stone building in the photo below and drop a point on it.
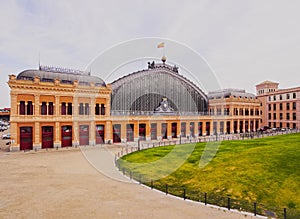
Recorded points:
(280, 107)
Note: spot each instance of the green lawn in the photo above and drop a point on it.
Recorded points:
(266, 171)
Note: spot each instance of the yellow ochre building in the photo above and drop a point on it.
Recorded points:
(58, 107)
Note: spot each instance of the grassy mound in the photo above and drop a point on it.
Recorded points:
(265, 171)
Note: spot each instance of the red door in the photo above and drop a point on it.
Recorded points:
(47, 137)
(25, 138)
(153, 131)
(130, 132)
(66, 136)
(174, 130)
(84, 135)
(99, 134)
(164, 131)
(116, 133)
(142, 132)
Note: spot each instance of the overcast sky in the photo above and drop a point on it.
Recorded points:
(244, 42)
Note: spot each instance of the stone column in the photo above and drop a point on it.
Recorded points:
(76, 133)
(37, 104)
(169, 130)
(231, 126)
(36, 138)
(204, 128)
(14, 105)
(92, 137)
(108, 132)
(15, 144)
(159, 137)
(57, 111)
(57, 142)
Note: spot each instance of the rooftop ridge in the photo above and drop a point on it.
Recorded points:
(63, 70)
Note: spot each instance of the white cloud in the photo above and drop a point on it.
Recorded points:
(245, 42)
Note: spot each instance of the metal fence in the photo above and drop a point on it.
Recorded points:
(202, 196)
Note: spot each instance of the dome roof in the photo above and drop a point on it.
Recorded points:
(64, 76)
(144, 90)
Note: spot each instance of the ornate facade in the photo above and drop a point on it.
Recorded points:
(55, 107)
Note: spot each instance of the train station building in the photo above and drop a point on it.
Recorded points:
(57, 107)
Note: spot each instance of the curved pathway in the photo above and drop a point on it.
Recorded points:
(62, 184)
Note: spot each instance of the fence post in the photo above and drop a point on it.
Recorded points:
(205, 198)
(228, 203)
(254, 208)
(166, 189)
(151, 184)
(284, 213)
(184, 193)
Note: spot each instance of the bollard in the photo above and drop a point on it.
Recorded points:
(228, 203)
(166, 189)
(184, 193)
(205, 198)
(254, 208)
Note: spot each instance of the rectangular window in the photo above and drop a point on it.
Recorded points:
(269, 107)
(274, 125)
(63, 108)
(44, 108)
(280, 96)
(70, 109)
(274, 106)
(280, 116)
(29, 108)
(22, 107)
(50, 108)
(102, 109)
(270, 116)
(287, 116)
(274, 116)
(269, 98)
(247, 112)
(274, 97)
(294, 106)
(287, 96)
(280, 106)
(294, 116)
(287, 106)
(81, 110)
(294, 95)
(241, 112)
(87, 109)
(97, 109)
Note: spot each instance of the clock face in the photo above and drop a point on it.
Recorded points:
(164, 106)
